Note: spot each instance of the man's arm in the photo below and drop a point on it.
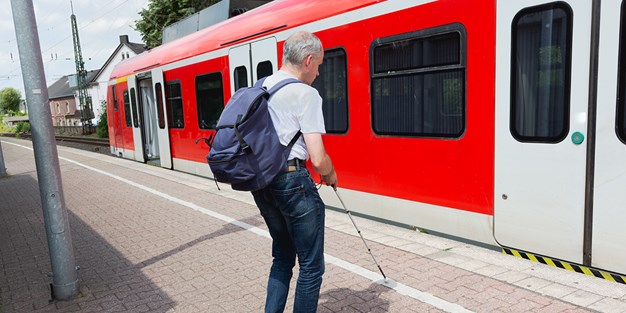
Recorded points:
(320, 159)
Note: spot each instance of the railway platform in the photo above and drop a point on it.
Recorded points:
(153, 240)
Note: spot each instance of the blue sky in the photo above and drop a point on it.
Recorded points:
(100, 24)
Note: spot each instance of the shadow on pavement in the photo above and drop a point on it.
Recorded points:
(349, 300)
(107, 280)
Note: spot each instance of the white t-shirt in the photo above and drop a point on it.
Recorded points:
(294, 107)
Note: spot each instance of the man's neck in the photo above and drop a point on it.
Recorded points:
(290, 69)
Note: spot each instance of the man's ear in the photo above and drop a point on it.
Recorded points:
(308, 60)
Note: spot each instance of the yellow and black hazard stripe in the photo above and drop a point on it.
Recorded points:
(566, 265)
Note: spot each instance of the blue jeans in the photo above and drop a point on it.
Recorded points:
(294, 214)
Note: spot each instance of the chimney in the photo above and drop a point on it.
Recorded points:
(123, 38)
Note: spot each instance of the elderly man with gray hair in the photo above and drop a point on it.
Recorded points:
(291, 205)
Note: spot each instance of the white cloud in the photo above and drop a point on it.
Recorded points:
(100, 25)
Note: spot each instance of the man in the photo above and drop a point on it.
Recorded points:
(291, 205)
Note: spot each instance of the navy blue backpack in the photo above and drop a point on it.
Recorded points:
(245, 151)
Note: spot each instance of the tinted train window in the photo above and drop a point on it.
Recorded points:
(540, 73)
(332, 84)
(241, 77)
(264, 69)
(418, 83)
(133, 105)
(159, 104)
(175, 116)
(620, 123)
(210, 99)
(114, 98)
(127, 109)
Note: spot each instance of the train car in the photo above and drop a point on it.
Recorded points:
(501, 122)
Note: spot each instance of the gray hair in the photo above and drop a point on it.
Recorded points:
(300, 45)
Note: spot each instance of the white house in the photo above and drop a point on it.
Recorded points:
(98, 85)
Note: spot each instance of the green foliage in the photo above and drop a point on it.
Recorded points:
(10, 99)
(162, 13)
(22, 127)
(102, 129)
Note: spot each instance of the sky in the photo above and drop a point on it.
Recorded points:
(100, 23)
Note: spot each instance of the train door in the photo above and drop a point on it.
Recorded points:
(137, 136)
(609, 206)
(162, 130)
(542, 82)
(250, 62)
(116, 121)
(148, 121)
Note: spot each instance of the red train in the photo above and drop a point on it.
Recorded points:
(498, 121)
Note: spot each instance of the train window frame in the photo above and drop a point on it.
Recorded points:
(423, 72)
(567, 70)
(179, 103)
(200, 101)
(620, 109)
(239, 83)
(338, 110)
(115, 105)
(265, 67)
(133, 106)
(159, 104)
(126, 100)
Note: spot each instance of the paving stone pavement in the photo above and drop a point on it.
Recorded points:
(154, 240)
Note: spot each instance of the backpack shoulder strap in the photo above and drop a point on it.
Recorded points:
(282, 84)
(259, 83)
(294, 139)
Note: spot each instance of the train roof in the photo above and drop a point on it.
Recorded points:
(272, 17)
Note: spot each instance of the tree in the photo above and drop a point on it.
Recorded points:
(10, 99)
(162, 13)
(102, 129)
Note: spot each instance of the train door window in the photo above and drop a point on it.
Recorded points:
(210, 99)
(127, 109)
(540, 73)
(175, 116)
(133, 105)
(159, 104)
(264, 69)
(241, 77)
(114, 98)
(332, 84)
(418, 83)
(620, 123)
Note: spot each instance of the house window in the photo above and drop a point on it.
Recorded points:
(58, 108)
(418, 83)
(67, 107)
(210, 99)
(540, 73)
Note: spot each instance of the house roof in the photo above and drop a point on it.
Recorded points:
(61, 88)
(137, 48)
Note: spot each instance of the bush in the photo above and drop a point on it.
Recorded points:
(22, 127)
(102, 128)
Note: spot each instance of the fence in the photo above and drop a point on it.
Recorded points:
(74, 130)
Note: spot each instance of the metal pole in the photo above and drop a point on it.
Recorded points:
(3, 170)
(64, 275)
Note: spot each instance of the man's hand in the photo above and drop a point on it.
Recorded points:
(330, 179)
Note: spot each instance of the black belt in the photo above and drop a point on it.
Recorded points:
(295, 164)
